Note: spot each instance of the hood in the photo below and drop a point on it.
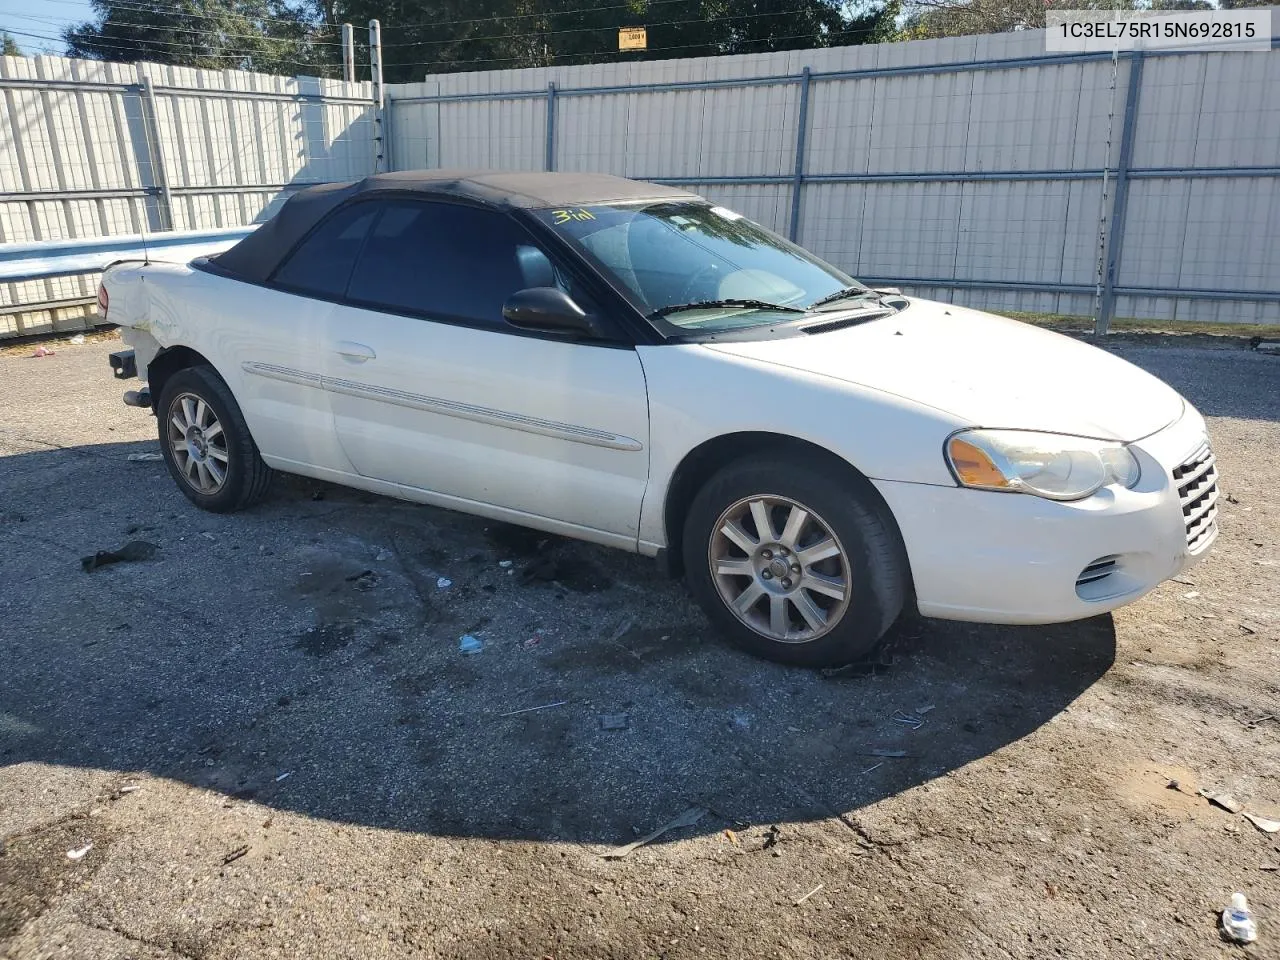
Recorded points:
(987, 370)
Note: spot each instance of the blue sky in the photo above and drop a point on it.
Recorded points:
(44, 17)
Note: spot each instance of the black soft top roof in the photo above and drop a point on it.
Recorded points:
(257, 255)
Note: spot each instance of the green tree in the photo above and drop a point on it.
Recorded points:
(271, 36)
(435, 36)
(11, 48)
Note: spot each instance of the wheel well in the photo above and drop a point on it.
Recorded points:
(703, 461)
(166, 363)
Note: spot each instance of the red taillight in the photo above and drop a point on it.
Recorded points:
(103, 300)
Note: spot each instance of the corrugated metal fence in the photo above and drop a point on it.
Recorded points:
(92, 149)
(975, 169)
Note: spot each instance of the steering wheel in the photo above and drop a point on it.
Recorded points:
(709, 272)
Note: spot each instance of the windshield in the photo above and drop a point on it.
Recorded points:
(698, 266)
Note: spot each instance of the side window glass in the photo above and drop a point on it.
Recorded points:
(451, 261)
(322, 264)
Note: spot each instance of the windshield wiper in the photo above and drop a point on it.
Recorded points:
(712, 304)
(845, 293)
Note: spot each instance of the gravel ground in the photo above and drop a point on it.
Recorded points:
(270, 738)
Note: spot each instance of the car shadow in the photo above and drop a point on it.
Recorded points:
(305, 655)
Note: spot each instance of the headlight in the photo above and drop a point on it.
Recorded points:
(1046, 464)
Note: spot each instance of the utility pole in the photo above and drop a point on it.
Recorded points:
(375, 71)
(348, 53)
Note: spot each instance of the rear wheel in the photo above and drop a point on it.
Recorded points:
(793, 563)
(207, 444)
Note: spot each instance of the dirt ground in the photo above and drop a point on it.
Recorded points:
(270, 738)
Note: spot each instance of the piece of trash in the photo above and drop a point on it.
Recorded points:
(881, 752)
(1191, 595)
(1237, 921)
(284, 776)
(873, 767)
(505, 564)
(42, 352)
(810, 894)
(914, 722)
(363, 580)
(79, 854)
(235, 854)
(1262, 823)
(771, 837)
(732, 837)
(130, 788)
(470, 645)
(545, 706)
(132, 551)
(1224, 800)
(921, 711)
(208, 536)
(443, 583)
(686, 819)
(532, 642)
(144, 458)
(383, 555)
(613, 721)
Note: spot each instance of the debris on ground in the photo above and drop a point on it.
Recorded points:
(383, 555)
(131, 552)
(364, 580)
(1262, 823)
(532, 642)
(144, 458)
(1237, 921)
(469, 644)
(78, 339)
(873, 768)
(731, 837)
(613, 721)
(810, 894)
(79, 854)
(686, 819)
(1191, 595)
(284, 776)
(235, 854)
(908, 719)
(1224, 800)
(545, 706)
(882, 752)
(443, 583)
(771, 837)
(42, 351)
(505, 564)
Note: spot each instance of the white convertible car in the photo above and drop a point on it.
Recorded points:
(630, 364)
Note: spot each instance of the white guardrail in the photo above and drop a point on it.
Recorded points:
(48, 259)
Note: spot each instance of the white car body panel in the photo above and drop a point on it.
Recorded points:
(989, 371)
(584, 440)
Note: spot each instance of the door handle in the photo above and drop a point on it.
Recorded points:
(356, 352)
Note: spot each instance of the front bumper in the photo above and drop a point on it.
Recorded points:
(1014, 558)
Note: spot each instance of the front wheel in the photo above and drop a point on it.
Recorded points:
(207, 444)
(794, 562)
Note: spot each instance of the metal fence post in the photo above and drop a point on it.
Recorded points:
(348, 53)
(1115, 238)
(797, 173)
(155, 151)
(550, 162)
(375, 74)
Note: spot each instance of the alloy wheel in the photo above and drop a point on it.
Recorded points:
(198, 443)
(780, 568)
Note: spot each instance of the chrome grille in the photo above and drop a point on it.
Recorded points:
(1197, 482)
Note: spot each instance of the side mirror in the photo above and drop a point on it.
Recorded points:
(549, 309)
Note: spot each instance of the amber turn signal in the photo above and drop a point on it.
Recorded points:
(972, 465)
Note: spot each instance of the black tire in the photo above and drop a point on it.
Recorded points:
(875, 572)
(245, 477)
